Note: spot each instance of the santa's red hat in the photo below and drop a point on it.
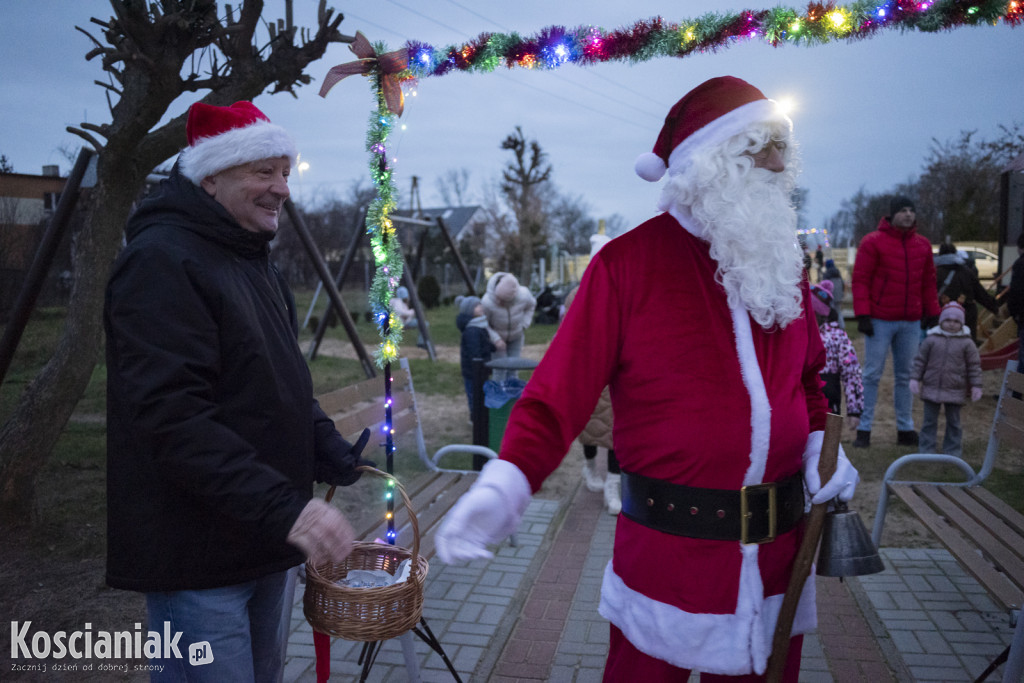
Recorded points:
(222, 137)
(709, 114)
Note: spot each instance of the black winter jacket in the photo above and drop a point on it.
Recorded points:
(212, 428)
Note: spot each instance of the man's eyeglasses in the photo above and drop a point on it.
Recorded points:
(767, 149)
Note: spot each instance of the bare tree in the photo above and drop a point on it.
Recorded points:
(153, 52)
(453, 187)
(520, 181)
(572, 223)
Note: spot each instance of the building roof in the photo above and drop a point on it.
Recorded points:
(456, 218)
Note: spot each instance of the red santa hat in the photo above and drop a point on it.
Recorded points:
(222, 137)
(710, 114)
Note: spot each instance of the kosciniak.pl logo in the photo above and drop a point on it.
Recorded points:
(89, 644)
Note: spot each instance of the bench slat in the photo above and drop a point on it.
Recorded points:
(441, 506)
(997, 584)
(367, 531)
(421, 503)
(984, 529)
(1012, 409)
(1013, 519)
(1009, 433)
(1015, 381)
(993, 521)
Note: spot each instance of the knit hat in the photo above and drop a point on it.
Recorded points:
(709, 114)
(402, 293)
(952, 311)
(506, 288)
(821, 297)
(223, 137)
(898, 203)
(467, 305)
(829, 263)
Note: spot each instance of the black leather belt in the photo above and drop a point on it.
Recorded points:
(754, 514)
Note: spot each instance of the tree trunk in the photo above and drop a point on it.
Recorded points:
(30, 434)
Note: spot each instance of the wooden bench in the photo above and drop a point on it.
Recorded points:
(360, 406)
(981, 531)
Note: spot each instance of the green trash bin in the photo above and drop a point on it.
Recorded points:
(497, 418)
(499, 397)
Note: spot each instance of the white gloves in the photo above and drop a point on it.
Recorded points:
(843, 482)
(322, 533)
(915, 387)
(485, 514)
(975, 393)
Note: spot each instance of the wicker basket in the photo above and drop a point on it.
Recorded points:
(367, 614)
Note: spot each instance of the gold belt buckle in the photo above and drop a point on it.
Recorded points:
(746, 514)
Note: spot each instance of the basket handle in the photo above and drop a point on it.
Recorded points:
(408, 506)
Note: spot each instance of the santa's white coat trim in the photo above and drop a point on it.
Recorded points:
(708, 642)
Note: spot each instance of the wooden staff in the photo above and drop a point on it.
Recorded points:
(805, 555)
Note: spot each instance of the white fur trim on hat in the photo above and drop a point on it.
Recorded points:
(211, 155)
(724, 127)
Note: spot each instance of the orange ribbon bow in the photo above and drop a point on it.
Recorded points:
(390, 64)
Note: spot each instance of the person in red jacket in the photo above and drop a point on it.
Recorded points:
(714, 383)
(894, 298)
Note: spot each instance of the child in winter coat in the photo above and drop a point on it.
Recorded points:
(476, 340)
(509, 308)
(946, 370)
(842, 369)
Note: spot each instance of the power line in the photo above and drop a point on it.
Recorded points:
(555, 75)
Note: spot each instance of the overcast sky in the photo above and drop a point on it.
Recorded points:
(866, 112)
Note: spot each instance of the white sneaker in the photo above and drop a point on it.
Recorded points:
(612, 495)
(591, 477)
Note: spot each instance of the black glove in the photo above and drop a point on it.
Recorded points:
(340, 470)
(865, 326)
(929, 322)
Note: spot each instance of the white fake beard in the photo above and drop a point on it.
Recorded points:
(750, 223)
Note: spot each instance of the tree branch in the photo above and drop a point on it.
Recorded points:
(85, 136)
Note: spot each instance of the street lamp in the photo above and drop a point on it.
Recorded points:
(301, 166)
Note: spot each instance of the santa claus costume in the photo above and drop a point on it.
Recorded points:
(709, 397)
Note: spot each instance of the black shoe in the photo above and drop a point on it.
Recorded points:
(906, 438)
(863, 439)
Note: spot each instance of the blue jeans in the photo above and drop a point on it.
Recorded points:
(952, 442)
(246, 626)
(512, 350)
(903, 336)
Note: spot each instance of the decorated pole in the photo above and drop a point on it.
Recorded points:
(386, 70)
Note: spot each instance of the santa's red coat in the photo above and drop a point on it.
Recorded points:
(703, 396)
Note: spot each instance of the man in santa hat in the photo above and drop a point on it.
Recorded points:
(699, 320)
(214, 438)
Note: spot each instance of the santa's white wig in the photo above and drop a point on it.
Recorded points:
(748, 217)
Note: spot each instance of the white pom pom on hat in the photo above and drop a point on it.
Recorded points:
(711, 113)
(650, 167)
(223, 137)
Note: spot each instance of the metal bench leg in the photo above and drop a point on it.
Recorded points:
(1015, 663)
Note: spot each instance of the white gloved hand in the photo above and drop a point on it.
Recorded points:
(485, 514)
(322, 533)
(915, 387)
(842, 484)
(975, 393)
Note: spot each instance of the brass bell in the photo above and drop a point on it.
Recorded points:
(846, 547)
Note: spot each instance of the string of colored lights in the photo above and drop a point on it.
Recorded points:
(821, 23)
(387, 254)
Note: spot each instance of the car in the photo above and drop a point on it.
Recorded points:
(985, 261)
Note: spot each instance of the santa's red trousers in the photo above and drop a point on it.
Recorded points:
(627, 664)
